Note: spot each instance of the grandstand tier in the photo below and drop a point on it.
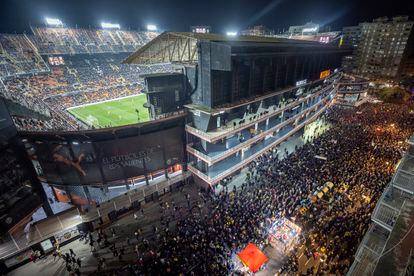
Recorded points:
(56, 69)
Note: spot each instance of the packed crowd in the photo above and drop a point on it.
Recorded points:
(18, 56)
(81, 73)
(78, 41)
(80, 79)
(55, 122)
(68, 63)
(361, 150)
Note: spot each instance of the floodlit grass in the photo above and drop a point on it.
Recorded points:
(113, 113)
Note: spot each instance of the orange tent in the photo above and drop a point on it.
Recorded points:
(252, 257)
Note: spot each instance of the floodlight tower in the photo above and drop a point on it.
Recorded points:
(231, 33)
(53, 22)
(151, 27)
(107, 25)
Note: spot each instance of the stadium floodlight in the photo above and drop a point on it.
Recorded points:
(106, 25)
(231, 33)
(151, 27)
(53, 21)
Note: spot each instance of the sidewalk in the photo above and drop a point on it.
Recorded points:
(124, 227)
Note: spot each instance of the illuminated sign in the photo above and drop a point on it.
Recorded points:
(324, 39)
(301, 82)
(324, 74)
(200, 30)
(231, 33)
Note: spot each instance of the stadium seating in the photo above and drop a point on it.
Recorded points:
(19, 57)
(78, 41)
(58, 68)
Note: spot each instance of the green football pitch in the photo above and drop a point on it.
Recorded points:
(117, 112)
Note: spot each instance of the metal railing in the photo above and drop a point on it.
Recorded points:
(393, 204)
(211, 160)
(244, 162)
(214, 136)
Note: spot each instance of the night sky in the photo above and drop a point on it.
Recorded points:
(179, 15)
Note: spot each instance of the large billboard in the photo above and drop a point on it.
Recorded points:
(98, 162)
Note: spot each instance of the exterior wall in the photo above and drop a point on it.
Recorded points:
(83, 164)
(20, 191)
(382, 47)
(232, 74)
(248, 130)
(351, 36)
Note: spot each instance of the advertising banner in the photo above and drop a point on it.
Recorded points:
(80, 162)
(324, 74)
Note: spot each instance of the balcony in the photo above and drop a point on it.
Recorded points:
(229, 165)
(369, 251)
(232, 129)
(404, 178)
(233, 144)
(388, 208)
(390, 232)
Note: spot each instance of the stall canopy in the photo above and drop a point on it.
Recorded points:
(252, 257)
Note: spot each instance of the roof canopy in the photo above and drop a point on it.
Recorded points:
(252, 257)
(181, 47)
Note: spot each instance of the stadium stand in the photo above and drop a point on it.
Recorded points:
(78, 41)
(18, 56)
(58, 68)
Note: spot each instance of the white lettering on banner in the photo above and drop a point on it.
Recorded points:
(133, 159)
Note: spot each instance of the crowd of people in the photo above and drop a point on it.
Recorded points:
(78, 40)
(55, 122)
(70, 80)
(57, 68)
(361, 149)
(18, 56)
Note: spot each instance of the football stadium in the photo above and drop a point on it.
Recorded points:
(118, 112)
(204, 150)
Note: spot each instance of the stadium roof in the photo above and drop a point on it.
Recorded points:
(181, 47)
